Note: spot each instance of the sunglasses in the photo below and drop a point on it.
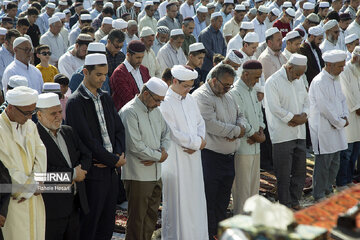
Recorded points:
(46, 53)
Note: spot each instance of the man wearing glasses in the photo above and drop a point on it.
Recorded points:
(21, 65)
(224, 126)
(24, 154)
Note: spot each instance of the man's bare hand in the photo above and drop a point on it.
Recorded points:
(148, 162)
(22, 200)
(292, 124)
(164, 155)
(347, 122)
(358, 112)
(230, 139)
(2, 220)
(189, 151)
(80, 174)
(203, 144)
(298, 119)
(250, 141)
(121, 161)
(242, 132)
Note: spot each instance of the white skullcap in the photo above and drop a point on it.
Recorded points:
(149, 3)
(276, 11)
(291, 35)
(256, 1)
(271, 31)
(324, 5)
(3, 31)
(196, 47)
(85, 17)
(263, 9)
(51, 87)
(298, 59)
(330, 24)
(235, 56)
(202, 9)
(107, 20)
(53, 1)
(229, 1)
(63, 3)
(51, 5)
(132, 1)
(182, 73)
(215, 14)
(54, 20)
(176, 32)
(60, 15)
(251, 37)
(157, 86)
(95, 59)
(109, 4)
(17, 80)
(247, 25)
(21, 96)
(96, 47)
(146, 31)
(308, 6)
(48, 100)
(351, 38)
(287, 4)
(334, 56)
(356, 51)
(19, 41)
(137, 4)
(66, 11)
(316, 31)
(119, 24)
(246, 4)
(132, 23)
(156, 1)
(253, 11)
(290, 12)
(240, 7)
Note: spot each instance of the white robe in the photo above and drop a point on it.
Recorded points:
(184, 214)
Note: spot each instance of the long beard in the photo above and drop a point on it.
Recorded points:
(332, 40)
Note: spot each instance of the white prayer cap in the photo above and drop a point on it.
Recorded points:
(183, 73)
(51, 87)
(96, 47)
(119, 24)
(298, 59)
(66, 11)
(196, 47)
(240, 7)
(157, 86)
(85, 17)
(256, 1)
(287, 4)
(316, 31)
(48, 100)
(3, 31)
(235, 56)
(146, 31)
(17, 80)
(271, 31)
(276, 11)
(109, 4)
(351, 38)
(356, 51)
(176, 32)
(228, 1)
(251, 37)
(19, 41)
(253, 11)
(291, 35)
(308, 6)
(202, 9)
(156, 1)
(149, 3)
(54, 20)
(137, 4)
(95, 59)
(263, 9)
(132, 1)
(247, 25)
(53, 1)
(63, 3)
(210, 5)
(107, 20)
(334, 56)
(227, 34)
(21, 96)
(60, 15)
(132, 23)
(51, 5)
(215, 14)
(324, 5)
(330, 24)
(246, 4)
(290, 12)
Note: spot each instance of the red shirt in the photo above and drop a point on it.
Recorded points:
(284, 28)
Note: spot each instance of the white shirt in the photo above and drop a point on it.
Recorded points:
(303, 78)
(135, 73)
(56, 44)
(128, 38)
(284, 99)
(235, 43)
(326, 45)
(341, 41)
(73, 35)
(354, 27)
(5, 59)
(260, 29)
(327, 107)
(151, 63)
(69, 63)
(162, 8)
(186, 10)
(168, 57)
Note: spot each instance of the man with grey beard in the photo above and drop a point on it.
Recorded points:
(332, 32)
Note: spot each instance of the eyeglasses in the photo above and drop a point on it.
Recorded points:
(46, 53)
(27, 50)
(28, 113)
(230, 86)
(156, 100)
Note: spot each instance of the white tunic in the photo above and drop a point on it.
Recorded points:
(284, 99)
(260, 29)
(186, 10)
(327, 46)
(168, 57)
(69, 63)
(350, 85)
(184, 204)
(57, 46)
(327, 107)
(235, 43)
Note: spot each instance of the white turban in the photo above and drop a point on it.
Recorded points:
(21, 96)
(182, 73)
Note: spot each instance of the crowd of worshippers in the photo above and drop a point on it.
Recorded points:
(175, 102)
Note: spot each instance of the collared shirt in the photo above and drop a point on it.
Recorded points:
(168, 57)
(69, 63)
(147, 21)
(199, 26)
(235, 43)
(231, 28)
(162, 8)
(56, 44)
(271, 61)
(114, 61)
(341, 40)
(284, 99)
(186, 10)
(222, 118)
(151, 63)
(73, 35)
(260, 29)
(226, 18)
(129, 39)
(122, 10)
(157, 45)
(43, 22)
(100, 114)
(299, 20)
(169, 22)
(189, 39)
(5, 59)
(94, 13)
(354, 27)
(135, 74)
(140, 16)
(326, 45)
(99, 34)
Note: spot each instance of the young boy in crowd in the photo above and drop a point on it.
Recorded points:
(64, 88)
(48, 71)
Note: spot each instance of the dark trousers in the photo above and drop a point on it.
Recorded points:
(144, 201)
(219, 173)
(290, 170)
(348, 160)
(266, 161)
(63, 228)
(102, 194)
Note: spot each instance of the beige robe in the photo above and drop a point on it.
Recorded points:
(23, 154)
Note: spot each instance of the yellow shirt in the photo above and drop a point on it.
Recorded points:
(48, 73)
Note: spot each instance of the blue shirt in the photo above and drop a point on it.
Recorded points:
(77, 78)
(43, 22)
(198, 27)
(5, 59)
